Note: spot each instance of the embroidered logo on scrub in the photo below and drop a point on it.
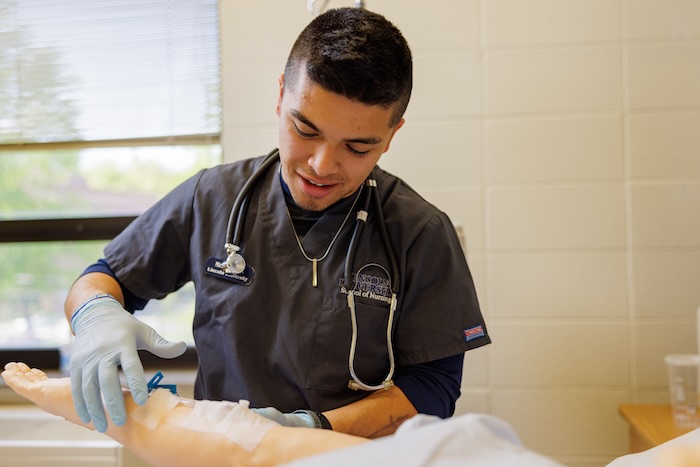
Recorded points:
(473, 333)
(369, 286)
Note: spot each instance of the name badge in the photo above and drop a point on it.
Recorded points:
(217, 268)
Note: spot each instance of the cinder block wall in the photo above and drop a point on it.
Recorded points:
(564, 136)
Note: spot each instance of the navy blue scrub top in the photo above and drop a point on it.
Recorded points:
(278, 341)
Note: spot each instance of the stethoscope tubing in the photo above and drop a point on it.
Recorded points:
(234, 229)
(362, 215)
(240, 205)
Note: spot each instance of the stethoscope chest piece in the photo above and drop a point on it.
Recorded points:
(235, 263)
(234, 267)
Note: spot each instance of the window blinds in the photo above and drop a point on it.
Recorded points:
(85, 70)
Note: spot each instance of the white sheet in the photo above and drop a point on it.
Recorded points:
(464, 441)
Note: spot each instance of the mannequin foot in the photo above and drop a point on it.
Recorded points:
(679, 456)
(52, 395)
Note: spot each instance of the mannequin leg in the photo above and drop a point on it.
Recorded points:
(679, 456)
(172, 443)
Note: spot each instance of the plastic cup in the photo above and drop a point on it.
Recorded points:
(683, 373)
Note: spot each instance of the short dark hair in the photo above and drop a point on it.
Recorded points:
(357, 54)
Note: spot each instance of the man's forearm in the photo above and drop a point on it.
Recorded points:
(88, 286)
(379, 414)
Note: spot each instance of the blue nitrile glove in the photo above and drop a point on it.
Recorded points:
(298, 418)
(106, 337)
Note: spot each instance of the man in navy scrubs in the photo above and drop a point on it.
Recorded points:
(279, 332)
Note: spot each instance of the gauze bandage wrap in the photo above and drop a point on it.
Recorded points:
(160, 403)
(232, 420)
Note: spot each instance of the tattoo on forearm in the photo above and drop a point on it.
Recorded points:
(390, 427)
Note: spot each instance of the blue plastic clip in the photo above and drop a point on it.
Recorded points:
(153, 384)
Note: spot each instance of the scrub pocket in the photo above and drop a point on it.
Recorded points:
(331, 350)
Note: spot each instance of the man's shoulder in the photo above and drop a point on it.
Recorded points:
(396, 194)
(242, 167)
(228, 176)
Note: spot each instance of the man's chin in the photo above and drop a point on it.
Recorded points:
(313, 205)
(312, 201)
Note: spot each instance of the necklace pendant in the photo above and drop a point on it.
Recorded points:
(314, 261)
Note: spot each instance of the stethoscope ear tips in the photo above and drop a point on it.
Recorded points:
(235, 264)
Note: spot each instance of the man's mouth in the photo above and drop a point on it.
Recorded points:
(316, 188)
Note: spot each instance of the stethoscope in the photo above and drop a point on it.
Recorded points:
(236, 264)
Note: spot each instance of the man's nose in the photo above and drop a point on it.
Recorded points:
(324, 160)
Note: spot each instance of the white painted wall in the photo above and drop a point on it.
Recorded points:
(565, 137)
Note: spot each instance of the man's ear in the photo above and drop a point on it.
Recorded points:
(279, 100)
(396, 128)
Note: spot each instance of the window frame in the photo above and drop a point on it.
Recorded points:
(78, 229)
(75, 229)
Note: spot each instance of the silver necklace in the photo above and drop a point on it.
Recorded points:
(314, 261)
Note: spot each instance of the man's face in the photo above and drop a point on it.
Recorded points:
(329, 144)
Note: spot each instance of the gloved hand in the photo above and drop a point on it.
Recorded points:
(298, 418)
(106, 337)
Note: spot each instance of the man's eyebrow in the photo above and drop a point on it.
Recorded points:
(371, 140)
(298, 115)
